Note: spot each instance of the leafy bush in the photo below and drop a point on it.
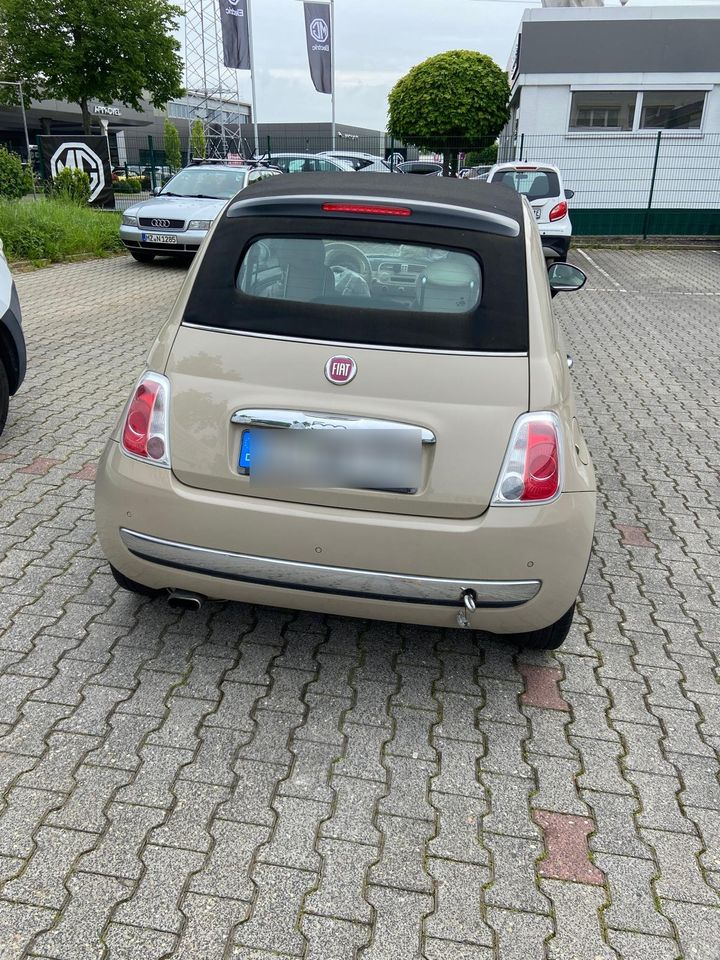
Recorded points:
(127, 185)
(172, 145)
(15, 180)
(55, 230)
(71, 186)
(482, 158)
(197, 141)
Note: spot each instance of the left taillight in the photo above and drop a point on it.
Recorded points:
(559, 210)
(532, 470)
(145, 428)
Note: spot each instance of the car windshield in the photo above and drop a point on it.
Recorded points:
(533, 184)
(361, 273)
(220, 182)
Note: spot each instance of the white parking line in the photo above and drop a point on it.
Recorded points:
(618, 286)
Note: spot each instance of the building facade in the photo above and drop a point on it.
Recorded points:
(626, 101)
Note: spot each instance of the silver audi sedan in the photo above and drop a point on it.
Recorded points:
(175, 221)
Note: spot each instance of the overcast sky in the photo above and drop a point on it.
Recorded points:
(376, 42)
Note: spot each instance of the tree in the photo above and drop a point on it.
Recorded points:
(172, 145)
(82, 50)
(452, 101)
(197, 140)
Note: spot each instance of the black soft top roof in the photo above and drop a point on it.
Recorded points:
(498, 202)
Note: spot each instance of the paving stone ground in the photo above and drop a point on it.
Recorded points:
(256, 784)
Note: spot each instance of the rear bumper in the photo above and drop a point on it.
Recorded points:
(12, 342)
(320, 578)
(558, 243)
(526, 564)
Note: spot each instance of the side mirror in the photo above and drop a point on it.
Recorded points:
(564, 277)
(156, 191)
(569, 194)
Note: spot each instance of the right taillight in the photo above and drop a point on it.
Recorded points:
(532, 470)
(145, 428)
(559, 211)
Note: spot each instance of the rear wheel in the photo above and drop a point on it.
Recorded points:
(142, 256)
(549, 638)
(4, 395)
(132, 586)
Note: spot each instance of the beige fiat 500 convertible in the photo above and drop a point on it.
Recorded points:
(361, 404)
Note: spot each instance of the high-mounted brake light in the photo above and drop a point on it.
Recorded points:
(559, 210)
(367, 208)
(145, 430)
(526, 168)
(532, 471)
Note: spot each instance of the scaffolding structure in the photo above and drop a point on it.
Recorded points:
(213, 90)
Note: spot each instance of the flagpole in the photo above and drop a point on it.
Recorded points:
(332, 68)
(252, 81)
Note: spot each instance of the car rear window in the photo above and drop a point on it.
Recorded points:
(383, 284)
(533, 184)
(372, 275)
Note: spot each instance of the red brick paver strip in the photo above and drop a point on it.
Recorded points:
(39, 467)
(5, 456)
(634, 536)
(541, 687)
(567, 848)
(88, 472)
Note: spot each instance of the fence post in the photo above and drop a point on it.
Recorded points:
(152, 161)
(392, 154)
(522, 142)
(268, 149)
(652, 186)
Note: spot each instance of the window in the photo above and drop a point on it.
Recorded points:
(219, 183)
(533, 184)
(367, 274)
(603, 110)
(672, 109)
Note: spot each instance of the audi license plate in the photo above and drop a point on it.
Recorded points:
(158, 238)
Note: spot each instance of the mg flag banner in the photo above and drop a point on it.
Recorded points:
(319, 45)
(89, 154)
(235, 34)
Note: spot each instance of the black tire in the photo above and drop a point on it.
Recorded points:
(549, 638)
(142, 256)
(127, 584)
(4, 395)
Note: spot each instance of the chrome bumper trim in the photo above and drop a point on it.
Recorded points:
(316, 578)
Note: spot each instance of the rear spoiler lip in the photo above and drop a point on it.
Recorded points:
(424, 212)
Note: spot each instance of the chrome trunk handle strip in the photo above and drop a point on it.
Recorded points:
(302, 420)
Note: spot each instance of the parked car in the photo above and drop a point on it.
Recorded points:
(360, 405)
(474, 173)
(12, 341)
(425, 168)
(360, 162)
(309, 163)
(177, 219)
(542, 184)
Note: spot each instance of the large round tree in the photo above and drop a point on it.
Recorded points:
(450, 102)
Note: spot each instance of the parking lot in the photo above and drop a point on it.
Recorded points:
(254, 784)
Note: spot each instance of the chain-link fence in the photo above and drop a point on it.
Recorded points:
(662, 183)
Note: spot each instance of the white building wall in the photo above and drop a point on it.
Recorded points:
(609, 170)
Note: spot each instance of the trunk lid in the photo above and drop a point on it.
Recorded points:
(469, 402)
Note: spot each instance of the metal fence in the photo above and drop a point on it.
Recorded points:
(655, 184)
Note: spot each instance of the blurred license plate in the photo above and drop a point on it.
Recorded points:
(349, 459)
(538, 211)
(158, 238)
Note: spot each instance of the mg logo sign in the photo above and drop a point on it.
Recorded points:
(78, 156)
(319, 30)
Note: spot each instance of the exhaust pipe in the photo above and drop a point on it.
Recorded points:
(185, 600)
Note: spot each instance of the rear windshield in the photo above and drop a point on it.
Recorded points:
(393, 285)
(533, 184)
(371, 275)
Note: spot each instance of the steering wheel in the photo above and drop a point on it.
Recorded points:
(346, 255)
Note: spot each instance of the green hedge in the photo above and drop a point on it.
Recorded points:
(53, 230)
